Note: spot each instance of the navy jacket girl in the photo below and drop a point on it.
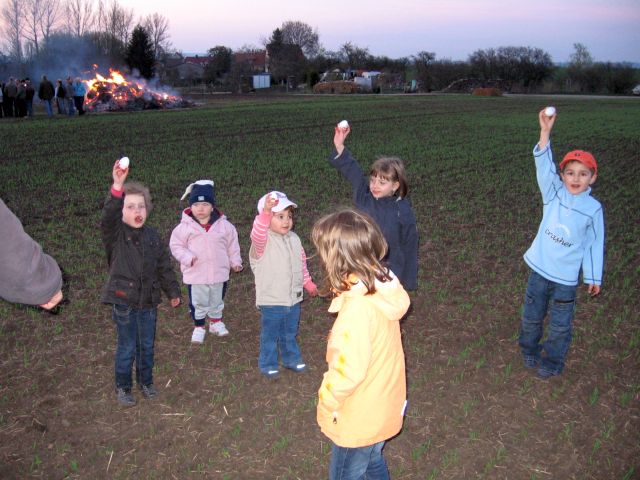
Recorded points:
(382, 195)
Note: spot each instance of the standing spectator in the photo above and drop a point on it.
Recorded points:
(46, 93)
(28, 275)
(10, 94)
(60, 95)
(79, 92)
(21, 99)
(71, 108)
(30, 92)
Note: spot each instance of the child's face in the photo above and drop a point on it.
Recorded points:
(134, 211)
(577, 177)
(202, 211)
(282, 222)
(381, 187)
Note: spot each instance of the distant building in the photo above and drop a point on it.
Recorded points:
(191, 69)
(257, 61)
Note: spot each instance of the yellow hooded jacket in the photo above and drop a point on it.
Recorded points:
(362, 397)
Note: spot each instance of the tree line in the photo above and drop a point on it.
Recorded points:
(63, 35)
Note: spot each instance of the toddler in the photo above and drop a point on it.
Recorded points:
(206, 245)
(279, 264)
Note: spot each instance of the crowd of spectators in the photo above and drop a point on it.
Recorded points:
(66, 97)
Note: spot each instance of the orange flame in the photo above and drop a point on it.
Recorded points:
(116, 92)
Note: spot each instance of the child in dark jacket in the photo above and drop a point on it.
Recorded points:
(139, 267)
(382, 194)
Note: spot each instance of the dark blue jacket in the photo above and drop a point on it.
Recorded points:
(394, 216)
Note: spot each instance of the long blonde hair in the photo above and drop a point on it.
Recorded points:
(349, 242)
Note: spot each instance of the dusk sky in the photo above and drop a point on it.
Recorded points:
(452, 29)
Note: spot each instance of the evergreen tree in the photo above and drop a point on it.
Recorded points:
(140, 53)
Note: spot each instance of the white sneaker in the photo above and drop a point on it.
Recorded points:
(198, 335)
(218, 328)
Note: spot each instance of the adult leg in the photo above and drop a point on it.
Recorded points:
(71, 109)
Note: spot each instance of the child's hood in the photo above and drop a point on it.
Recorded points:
(390, 298)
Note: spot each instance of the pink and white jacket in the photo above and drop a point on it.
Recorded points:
(216, 250)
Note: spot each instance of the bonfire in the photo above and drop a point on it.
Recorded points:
(117, 93)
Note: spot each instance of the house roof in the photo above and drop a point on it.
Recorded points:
(198, 60)
(254, 58)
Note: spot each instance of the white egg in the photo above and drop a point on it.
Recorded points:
(124, 163)
(550, 111)
(343, 124)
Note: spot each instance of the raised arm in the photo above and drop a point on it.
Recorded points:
(546, 125)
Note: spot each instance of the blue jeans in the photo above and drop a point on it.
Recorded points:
(136, 337)
(559, 301)
(48, 107)
(279, 331)
(71, 109)
(362, 463)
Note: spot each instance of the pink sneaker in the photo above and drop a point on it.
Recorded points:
(218, 328)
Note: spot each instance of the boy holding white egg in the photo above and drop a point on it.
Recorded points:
(139, 269)
(570, 239)
(279, 264)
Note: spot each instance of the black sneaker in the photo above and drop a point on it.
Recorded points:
(148, 391)
(125, 398)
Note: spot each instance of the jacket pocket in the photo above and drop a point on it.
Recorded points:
(124, 290)
(120, 314)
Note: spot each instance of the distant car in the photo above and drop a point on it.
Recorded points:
(636, 90)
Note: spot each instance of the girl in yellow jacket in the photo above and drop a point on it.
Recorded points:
(363, 394)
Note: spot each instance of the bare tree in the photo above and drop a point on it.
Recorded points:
(301, 34)
(51, 17)
(13, 28)
(157, 27)
(354, 57)
(118, 21)
(581, 56)
(80, 17)
(40, 20)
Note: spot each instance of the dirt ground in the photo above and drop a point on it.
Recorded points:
(474, 412)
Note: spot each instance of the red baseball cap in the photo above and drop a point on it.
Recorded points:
(581, 156)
